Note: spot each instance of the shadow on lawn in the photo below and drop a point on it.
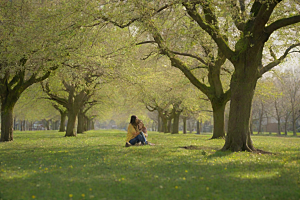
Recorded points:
(111, 171)
(217, 152)
(102, 172)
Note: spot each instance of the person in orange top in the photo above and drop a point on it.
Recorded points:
(133, 133)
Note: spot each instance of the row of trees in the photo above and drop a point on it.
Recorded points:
(278, 99)
(222, 55)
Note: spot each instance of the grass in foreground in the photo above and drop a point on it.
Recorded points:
(96, 165)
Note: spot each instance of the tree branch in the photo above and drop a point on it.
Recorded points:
(174, 60)
(146, 42)
(282, 23)
(190, 55)
(238, 14)
(277, 61)
(210, 27)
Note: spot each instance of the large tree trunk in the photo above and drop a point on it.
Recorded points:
(165, 125)
(80, 124)
(238, 136)
(87, 124)
(175, 127)
(6, 123)
(219, 119)
(71, 124)
(63, 116)
(159, 124)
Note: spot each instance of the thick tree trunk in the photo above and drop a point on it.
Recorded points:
(63, 116)
(175, 128)
(164, 125)
(71, 124)
(184, 125)
(219, 120)
(160, 124)
(80, 124)
(238, 136)
(86, 124)
(6, 123)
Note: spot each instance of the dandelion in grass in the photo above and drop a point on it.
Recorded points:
(176, 187)
(70, 195)
(33, 196)
(83, 195)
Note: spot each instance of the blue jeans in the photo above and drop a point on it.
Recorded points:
(137, 139)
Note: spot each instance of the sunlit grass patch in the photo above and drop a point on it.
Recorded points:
(96, 165)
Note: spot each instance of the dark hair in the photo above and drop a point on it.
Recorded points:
(132, 119)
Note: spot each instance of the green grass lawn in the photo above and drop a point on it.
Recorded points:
(96, 165)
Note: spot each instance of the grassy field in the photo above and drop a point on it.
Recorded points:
(96, 165)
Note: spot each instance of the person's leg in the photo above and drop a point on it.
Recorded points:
(144, 138)
(137, 139)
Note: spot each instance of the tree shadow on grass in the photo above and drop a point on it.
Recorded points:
(111, 175)
(217, 153)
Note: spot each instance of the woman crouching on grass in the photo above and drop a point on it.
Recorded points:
(133, 133)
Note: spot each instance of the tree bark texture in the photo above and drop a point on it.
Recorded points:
(238, 136)
(165, 125)
(80, 124)
(6, 123)
(72, 116)
(175, 127)
(63, 117)
(219, 119)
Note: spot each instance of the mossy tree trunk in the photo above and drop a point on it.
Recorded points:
(63, 117)
(219, 119)
(11, 88)
(6, 122)
(175, 128)
(81, 122)
(238, 136)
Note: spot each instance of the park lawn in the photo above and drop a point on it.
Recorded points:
(96, 165)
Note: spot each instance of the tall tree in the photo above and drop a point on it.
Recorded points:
(176, 37)
(254, 23)
(29, 35)
(78, 90)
